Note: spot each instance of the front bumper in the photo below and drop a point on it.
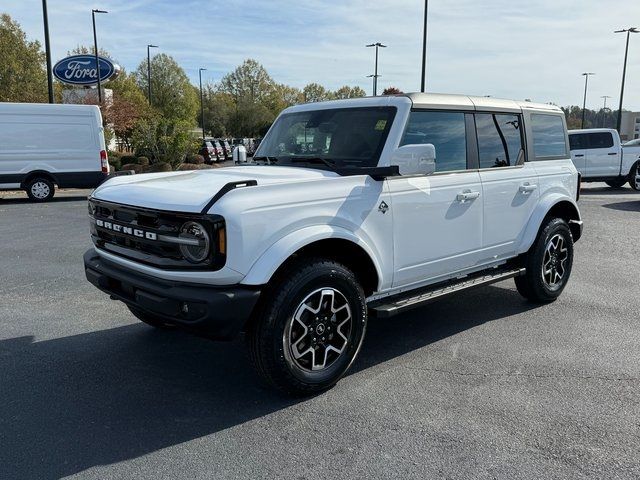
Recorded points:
(218, 313)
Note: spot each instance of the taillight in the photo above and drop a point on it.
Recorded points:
(104, 161)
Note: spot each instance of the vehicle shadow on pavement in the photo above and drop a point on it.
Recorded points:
(632, 206)
(606, 191)
(98, 398)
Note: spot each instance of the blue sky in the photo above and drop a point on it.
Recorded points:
(533, 49)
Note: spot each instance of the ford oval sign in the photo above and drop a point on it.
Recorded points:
(81, 69)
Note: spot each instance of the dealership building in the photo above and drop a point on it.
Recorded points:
(630, 126)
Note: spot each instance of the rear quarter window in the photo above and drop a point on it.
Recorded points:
(549, 136)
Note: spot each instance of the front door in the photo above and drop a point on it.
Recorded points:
(603, 157)
(437, 218)
(578, 144)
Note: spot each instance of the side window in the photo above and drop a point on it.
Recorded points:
(499, 139)
(578, 141)
(548, 136)
(446, 131)
(600, 140)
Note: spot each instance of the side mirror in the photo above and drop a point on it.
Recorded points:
(415, 159)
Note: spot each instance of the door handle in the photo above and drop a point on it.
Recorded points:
(579, 155)
(612, 153)
(527, 188)
(467, 195)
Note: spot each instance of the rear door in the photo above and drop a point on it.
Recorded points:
(509, 184)
(437, 218)
(603, 156)
(578, 143)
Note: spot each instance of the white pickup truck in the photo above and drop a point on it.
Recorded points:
(599, 157)
(357, 207)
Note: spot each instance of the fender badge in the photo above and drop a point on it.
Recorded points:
(383, 207)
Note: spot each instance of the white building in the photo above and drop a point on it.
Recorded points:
(630, 126)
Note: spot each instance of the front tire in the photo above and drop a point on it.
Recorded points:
(634, 177)
(40, 189)
(548, 263)
(309, 327)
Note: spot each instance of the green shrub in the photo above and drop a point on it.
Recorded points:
(132, 166)
(115, 163)
(158, 167)
(142, 161)
(128, 159)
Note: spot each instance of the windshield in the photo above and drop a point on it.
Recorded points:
(350, 137)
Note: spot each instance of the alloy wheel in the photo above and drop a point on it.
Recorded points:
(554, 262)
(319, 331)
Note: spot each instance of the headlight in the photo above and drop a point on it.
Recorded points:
(201, 245)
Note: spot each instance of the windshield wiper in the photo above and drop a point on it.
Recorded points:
(319, 160)
(269, 160)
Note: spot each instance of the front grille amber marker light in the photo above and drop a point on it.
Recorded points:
(222, 241)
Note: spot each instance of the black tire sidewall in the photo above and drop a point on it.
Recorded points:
(632, 176)
(278, 311)
(534, 266)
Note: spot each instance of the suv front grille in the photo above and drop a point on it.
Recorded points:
(150, 236)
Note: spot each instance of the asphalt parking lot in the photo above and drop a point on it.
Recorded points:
(483, 385)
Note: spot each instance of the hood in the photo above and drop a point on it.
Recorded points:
(190, 191)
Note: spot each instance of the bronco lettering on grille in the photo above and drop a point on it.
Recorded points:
(135, 232)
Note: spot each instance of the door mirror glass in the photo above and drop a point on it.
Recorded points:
(415, 159)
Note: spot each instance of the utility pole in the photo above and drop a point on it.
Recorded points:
(95, 47)
(377, 45)
(424, 48)
(201, 100)
(47, 48)
(149, 71)
(604, 108)
(624, 72)
(584, 102)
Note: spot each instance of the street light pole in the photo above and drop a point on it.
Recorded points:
(604, 108)
(375, 75)
(624, 72)
(47, 47)
(424, 48)
(201, 101)
(95, 46)
(584, 102)
(149, 71)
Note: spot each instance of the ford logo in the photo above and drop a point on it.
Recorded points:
(81, 69)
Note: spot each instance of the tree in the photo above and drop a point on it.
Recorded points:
(315, 92)
(164, 140)
(218, 110)
(391, 91)
(349, 92)
(129, 106)
(23, 74)
(171, 92)
(249, 83)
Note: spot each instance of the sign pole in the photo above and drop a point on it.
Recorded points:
(47, 47)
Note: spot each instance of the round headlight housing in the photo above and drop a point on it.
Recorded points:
(199, 244)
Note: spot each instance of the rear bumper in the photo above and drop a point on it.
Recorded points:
(214, 312)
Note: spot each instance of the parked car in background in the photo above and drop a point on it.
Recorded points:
(208, 151)
(599, 157)
(43, 146)
(401, 200)
(632, 143)
(220, 155)
(223, 149)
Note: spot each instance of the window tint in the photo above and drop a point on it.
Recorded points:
(548, 136)
(446, 131)
(499, 139)
(600, 140)
(578, 141)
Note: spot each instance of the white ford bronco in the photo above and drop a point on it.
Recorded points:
(352, 208)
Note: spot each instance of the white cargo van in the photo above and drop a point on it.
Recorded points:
(43, 145)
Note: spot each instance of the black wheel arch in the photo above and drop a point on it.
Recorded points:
(37, 174)
(569, 213)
